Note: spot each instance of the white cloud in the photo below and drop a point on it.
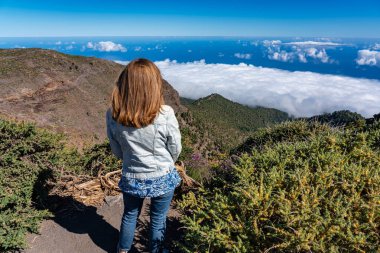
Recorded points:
(106, 46)
(302, 54)
(298, 93)
(376, 46)
(317, 54)
(281, 56)
(243, 56)
(58, 43)
(122, 62)
(299, 50)
(325, 39)
(302, 58)
(368, 57)
(137, 49)
(254, 43)
(313, 43)
(268, 43)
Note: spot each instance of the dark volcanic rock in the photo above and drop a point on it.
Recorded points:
(171, 97)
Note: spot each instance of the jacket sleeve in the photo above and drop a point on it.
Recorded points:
(173, 138)
(115, 146)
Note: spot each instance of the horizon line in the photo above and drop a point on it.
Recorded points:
(191, 36)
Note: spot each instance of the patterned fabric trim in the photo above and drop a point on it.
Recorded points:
(150, 187)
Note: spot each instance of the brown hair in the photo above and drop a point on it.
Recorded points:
(137, 96)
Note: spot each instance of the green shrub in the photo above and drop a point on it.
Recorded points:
(24, 155)
(286, 132)
(90, 161)
(301, 188)
(28, 157)
(229, 123)
(338, 118)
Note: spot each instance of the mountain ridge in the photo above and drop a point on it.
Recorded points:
(62, 92)
(214, 124)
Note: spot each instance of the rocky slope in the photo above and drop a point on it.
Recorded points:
(62, 92)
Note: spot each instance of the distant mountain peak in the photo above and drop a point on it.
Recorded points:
(214, 95)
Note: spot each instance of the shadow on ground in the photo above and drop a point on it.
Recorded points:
(79, 219)
(74, 216)
(90, 229)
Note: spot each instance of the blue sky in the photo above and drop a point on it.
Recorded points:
(334, 18)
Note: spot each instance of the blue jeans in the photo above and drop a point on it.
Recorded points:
(159, 208)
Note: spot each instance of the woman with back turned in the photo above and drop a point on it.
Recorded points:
(144, 133)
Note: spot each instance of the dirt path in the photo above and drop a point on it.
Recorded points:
(95, 230)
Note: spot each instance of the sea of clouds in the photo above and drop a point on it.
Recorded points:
(301, 94)
(298, 93)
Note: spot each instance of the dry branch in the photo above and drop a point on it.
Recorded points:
(93, 190)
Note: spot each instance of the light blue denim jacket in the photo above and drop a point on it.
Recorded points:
(149, 151)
